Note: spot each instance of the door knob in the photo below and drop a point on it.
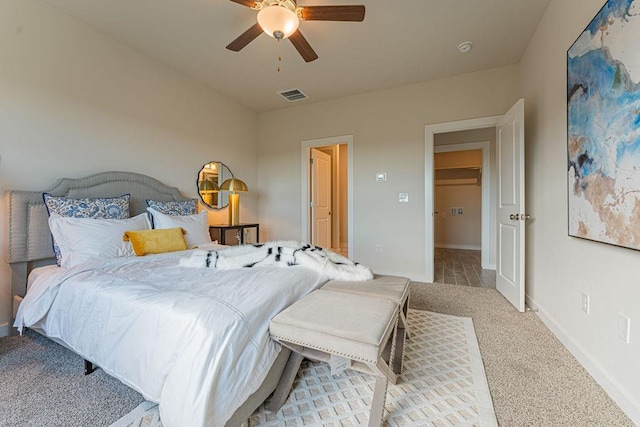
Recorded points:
(514, 217)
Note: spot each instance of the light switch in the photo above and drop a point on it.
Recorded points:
(403, 197)
(381, 176)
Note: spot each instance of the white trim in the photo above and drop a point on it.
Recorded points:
(430, 131)
(463, 247)
(4, 329)
(304, 155)
(411, 276)
(485, 215)
(624, 399)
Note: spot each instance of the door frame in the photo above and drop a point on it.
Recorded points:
(485, 215)
(305, 150)
(430, 131)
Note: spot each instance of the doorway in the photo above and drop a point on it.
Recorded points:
(466, 170)
(327, 188)
(463, 219)
(430, 136)
(510, 198)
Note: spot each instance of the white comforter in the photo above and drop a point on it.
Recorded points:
(194, 340)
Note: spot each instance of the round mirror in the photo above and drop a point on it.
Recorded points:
(209, 179)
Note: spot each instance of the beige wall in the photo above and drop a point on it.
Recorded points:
(389, 136)
(466, 136)
(458, 231)
(561, 268)
(457, 159)
(74, 102)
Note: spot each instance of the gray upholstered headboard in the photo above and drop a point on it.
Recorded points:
(27, 234)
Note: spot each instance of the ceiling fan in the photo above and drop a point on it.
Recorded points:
(280, 20)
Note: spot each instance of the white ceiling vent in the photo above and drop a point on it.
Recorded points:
(293, 95)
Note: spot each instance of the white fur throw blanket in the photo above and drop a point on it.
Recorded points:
(281, 254)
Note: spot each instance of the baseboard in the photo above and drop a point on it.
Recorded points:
(413, 277)
(5, 329)
(625, 400)
(464, 247)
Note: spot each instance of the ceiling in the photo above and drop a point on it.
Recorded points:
(400, 42)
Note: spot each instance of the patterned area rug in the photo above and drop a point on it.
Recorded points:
(443, 384)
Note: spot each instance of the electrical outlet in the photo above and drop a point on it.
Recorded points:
(403, 197)
(456, 211)
(585, 303)
(378, 248)
(624, 326)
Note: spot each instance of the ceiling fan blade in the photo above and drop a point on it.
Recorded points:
(248, 3)
(245, 38)
(333, 13)
(303, 47)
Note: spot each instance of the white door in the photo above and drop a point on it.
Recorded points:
(511, 209)
(321, 197)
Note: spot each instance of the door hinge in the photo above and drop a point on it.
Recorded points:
(311, 204)
(311, 160)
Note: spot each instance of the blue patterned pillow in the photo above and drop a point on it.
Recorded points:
(97, 208)
(176, 208)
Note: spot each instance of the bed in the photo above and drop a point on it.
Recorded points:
(195, 341)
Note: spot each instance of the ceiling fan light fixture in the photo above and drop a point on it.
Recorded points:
(278, 21)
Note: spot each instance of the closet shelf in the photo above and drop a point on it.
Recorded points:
(460, 175)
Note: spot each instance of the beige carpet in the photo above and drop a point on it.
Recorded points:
(443, 384)
(533, 379)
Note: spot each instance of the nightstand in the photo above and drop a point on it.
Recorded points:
(218, 232)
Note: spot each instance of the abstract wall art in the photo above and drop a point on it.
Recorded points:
(603, 127)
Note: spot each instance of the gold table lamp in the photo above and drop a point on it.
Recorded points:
(234, 185)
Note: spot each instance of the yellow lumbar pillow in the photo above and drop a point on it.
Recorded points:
(156, 241)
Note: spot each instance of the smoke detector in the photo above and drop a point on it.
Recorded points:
(465, 47)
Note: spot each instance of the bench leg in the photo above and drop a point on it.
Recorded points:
(404, 315)
(402, 334)
(393, 352)
(378, 402)
(286, 382)
(398, 358)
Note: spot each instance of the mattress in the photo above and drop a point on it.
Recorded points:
(195, 340)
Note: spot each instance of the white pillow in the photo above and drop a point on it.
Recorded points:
(196, 226)
(82, 239)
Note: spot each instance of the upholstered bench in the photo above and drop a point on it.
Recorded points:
(343, 329)
(393, 288)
